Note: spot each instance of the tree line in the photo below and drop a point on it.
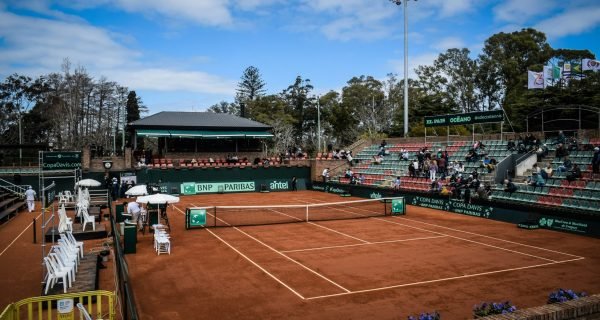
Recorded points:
(68, 110)
(455, 83)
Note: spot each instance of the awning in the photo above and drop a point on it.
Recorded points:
(202, 134)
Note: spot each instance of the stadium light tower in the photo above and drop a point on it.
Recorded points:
(399, 2)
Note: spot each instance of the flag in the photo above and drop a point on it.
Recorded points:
(556, 73)
(535, 80)
(566, 70)
(548, 73)
(591, 64)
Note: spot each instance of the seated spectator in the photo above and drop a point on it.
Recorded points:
(509, 186)
(194, 161)
(234, 159)
(574, 174)
(546, 172)
(361, 179)
(536, 180)
(459, 167)
(471, 156)
(561, 151)
(436, 186)
(489, 164)
(511, 146)
(521, 148)
(474, 184)
(348, 173)
(349, 157)
(336, 155)
(566, 165)
(383, 144)
(445, 191)
(404, 155)
(377, 159)
(396, 183)
(535, 168)
(541, 152)
(381, 151)
(483, 192)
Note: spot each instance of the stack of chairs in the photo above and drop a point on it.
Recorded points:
(62, 261)
(162, 244)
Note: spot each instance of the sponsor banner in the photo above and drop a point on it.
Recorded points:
(464, 118)
(555, 223)
(214, 187)
(61, 160)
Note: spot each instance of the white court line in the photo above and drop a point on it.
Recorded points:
(294, 261)
(464, 239)
(441, 280)
(361, 244)
(481, 235)
(20, 234)
(257, 265)
(283, 255)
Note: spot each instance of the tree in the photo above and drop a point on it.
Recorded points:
(225, 107)
(507, 57)
(250, 87)
(297, 95)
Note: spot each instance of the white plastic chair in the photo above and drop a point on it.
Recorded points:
(62, 265)
(68, 237)
(70, 253)
(88, 219)
(54, 275)
(162, 244)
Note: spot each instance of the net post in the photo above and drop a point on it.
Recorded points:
(384, 207)
(215, 216)
(306, 213)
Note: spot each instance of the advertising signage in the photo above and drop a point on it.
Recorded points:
(61, 160)
(464, 118)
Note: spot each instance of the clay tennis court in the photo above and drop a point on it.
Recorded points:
(371, 268)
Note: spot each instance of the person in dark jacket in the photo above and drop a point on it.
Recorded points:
(510, 186)
(574, 174)
(561, 151)
(596, 160)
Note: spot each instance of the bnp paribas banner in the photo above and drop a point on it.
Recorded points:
(188, 188)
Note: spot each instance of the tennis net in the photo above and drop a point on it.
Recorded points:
(232, 216)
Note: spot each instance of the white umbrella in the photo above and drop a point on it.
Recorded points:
(158, 198)
(89, 183)
(139, 190)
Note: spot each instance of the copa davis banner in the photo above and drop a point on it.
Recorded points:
(516, 215)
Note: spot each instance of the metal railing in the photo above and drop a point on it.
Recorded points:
(18, 190)
(124, 288)
(100, 303)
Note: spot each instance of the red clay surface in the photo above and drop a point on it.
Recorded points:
(373, 268)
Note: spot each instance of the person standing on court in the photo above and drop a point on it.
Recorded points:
(294, 183)
(30, 197)
(325, 175)
(133, 208)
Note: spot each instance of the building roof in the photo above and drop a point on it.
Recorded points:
(176, 120)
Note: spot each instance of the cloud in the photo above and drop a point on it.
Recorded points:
(38, 46)
(518, 11)
(45, 42)
(449, 43)
(571, 22)
(163, 79)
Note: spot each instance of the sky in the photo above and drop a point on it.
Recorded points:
(186, 55)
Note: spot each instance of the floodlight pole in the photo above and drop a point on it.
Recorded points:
(319, 124)
(399, 2)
